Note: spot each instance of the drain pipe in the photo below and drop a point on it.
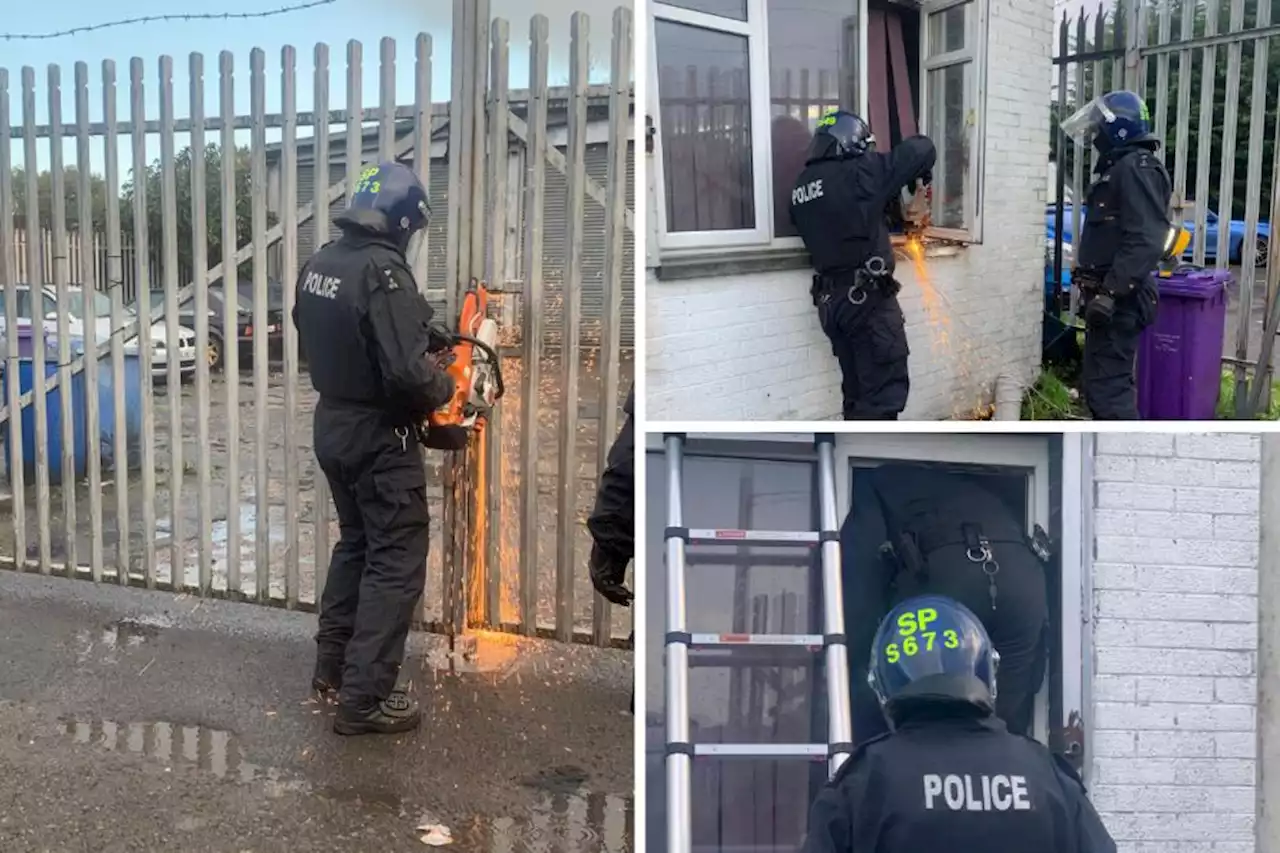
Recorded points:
(1267, 766)
(1008, 398)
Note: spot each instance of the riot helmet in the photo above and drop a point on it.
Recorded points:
(390, 201)
(1112, 120)
(840, 135)
(932, 652)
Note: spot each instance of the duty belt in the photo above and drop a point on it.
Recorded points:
(873, 275)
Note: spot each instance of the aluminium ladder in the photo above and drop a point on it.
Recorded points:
(679, 751)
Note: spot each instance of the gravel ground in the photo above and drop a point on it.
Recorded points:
(186, 549)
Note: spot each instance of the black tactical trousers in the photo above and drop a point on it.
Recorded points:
(870, 342)
(379, 565)
(1110, 357)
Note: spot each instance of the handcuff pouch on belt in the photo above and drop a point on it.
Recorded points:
(872, 276)
(903, 555)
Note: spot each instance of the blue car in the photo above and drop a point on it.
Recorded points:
(1068, 255)
(1257, 254)
(1239, 253)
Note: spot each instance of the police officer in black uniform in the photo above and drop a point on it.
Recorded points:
(1125, 234)
(839, 206)
(949, 776)
(612, 520)
(366, 330)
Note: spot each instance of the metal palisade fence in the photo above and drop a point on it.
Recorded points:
(157, 468)
(1210, 72)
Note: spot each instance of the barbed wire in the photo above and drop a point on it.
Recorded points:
(181, 16)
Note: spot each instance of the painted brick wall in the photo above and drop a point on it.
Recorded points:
(749, 347)
(1175, 612)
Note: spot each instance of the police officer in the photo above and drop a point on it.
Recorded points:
(949, 775)
(1125, 234)
(612, 520)
(365, 328)
(839, 206)
(922, 531)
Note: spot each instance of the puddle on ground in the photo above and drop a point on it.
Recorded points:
(573, 823)
(248, 515)
(565, 779)
(123, 634)
(564, 819)
(211, 750)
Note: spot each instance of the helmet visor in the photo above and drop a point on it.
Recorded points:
(1086, 122)
(416, 251)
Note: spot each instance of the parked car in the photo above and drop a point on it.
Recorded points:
(1068, 254)
(245, 331)
(1257, 254)
(102, 325)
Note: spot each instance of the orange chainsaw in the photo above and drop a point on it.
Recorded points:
(472, 361)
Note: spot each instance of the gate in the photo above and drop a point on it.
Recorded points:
(1189, 59)
(195, 485)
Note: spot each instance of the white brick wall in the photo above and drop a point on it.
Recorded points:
(1175, 619)
(749, 347)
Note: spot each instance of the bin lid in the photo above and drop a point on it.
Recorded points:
(1195, 283)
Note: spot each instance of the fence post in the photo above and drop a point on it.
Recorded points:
(499, 150)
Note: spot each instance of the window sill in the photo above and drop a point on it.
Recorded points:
(715, 263)
(718, 263)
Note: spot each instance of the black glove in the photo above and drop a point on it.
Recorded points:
(607, 575)
(616, 593)
(926, 179)
(439, 338)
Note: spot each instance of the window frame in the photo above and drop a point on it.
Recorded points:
(974, 55)
(756, 30)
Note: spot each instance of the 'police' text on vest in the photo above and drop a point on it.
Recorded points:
(806, 192)
(977, 793)
(324, 286)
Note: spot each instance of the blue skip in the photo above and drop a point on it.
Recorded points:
(53, 398)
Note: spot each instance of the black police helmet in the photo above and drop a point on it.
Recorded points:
(931, 651)
(840, 135)
(389, 200)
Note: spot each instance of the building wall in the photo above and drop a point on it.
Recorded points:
(1176, 525)
(749, 346)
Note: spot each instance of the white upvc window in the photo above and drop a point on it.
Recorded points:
(953, 100)
(736, 87)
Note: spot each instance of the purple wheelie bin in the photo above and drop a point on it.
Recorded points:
(1180, 355)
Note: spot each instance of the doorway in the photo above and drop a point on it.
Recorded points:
(778, 694)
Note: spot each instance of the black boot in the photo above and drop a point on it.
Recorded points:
(328, 675)
(393, 715)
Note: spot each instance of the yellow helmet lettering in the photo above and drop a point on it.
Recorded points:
(907, 624)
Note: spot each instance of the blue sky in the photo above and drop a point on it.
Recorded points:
(367, 21)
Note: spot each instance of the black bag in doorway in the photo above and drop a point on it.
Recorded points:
(947, 533)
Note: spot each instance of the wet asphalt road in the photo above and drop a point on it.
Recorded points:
(242, 500)
(140, 721)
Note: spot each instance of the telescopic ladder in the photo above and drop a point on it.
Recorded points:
(680, 752)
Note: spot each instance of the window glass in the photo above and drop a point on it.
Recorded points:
(813, 67)
(949, 29)
(949, 129)
(705, 107)
(741, 694)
